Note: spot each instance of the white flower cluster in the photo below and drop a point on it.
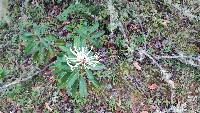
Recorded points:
(83, 58)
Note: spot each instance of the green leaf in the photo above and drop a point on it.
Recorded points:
(74, 87)
(98, 67)
(51, 38)
(82, 31)
(27, 35)
(63, 78)
(41, 28)
(2, 73)
(96, 35)
(41, 54)
(72, 78)
(94, 27)
(58, 1)
(60, 42)
(29, 46)
(82, 87)
(70, 27)
(92, 78)
(74, 8)
(50, 51)
(64, 48)
(68, 51)
(36, 56)
(77, 41)
(45, 43)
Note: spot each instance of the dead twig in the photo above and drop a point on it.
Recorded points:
(183, 58)
(24, 79)
(115, 22)
(166, 76)
(176, 57)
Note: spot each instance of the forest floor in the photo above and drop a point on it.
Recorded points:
(150, 50)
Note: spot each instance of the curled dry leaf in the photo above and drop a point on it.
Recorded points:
(165, 22)
(153, 107)
(48, 72)
(119, 102)
(133, 101)
(137, 66)
(48, 107)
(152, 86)
(171, 83)
(136, 98)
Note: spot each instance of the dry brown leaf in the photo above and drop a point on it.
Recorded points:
(152, 86)
(48, 107)
(135, 98)
(119, 102)
(144, 112)
(137, 66)
(165, 22)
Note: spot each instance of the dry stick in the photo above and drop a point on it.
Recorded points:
(176, 57)
(181, 57)
(166, 77)
(24, 79)
(113, 16)
(115, 22)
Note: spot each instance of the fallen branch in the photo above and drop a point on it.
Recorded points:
(115, 22)
(179, 56)
(183, 58)
(24, 79)
(166, 76)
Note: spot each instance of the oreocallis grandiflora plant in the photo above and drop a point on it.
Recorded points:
(77, 61)
(75, 64)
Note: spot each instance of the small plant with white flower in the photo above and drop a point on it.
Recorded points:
(82, 59)
(75, 66)
(77, 62)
